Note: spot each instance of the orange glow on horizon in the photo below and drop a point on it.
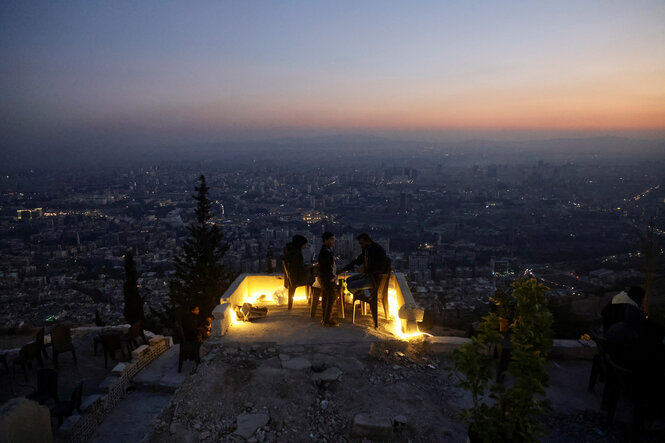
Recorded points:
(600, 106)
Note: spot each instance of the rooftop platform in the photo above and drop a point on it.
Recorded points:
(285, 327)
(399, 319)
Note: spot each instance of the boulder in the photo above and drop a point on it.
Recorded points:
(247, 424)
(330, 374)
(372, 426)
(297, 363)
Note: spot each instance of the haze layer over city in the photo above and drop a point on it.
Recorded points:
(476, 142)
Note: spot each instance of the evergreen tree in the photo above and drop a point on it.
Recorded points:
(133, 310)
(200, 277)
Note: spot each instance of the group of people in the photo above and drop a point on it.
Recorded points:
(372, 262)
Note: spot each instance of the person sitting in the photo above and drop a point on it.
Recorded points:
(299, 274)
(372, 262)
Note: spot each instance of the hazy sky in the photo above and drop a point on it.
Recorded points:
(165, 71)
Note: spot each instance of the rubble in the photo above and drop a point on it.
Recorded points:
(295, 403)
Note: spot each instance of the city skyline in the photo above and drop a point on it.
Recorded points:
(152, 73)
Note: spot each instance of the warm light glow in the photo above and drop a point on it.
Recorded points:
(393, 310)
(261, 290)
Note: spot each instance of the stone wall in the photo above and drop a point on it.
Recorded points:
(561, 349)
(95, 408)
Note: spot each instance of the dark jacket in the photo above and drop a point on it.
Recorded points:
(326, 267)
(296, 265)
(191, 327)
(373, 258)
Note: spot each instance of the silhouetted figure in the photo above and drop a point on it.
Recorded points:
(634, 343)
(634, 340)
(298, 273)
(328, 278)
(191, 325)
(191, 333)
(372, 263)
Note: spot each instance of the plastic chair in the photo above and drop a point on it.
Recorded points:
(61, 340)
(39, 339)
(66, 408)
(362, 303)
(47, 386)
(384, 285)
(25, 357)
(132, 337)
(380, 290)
(111, 343)
(291, 288)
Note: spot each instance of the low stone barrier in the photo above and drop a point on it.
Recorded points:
(573, 349)
(561, 349)
(95, 408)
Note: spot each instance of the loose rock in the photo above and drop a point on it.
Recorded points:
(297, 363)
(249, 423)
(372, 426)
(330, 374)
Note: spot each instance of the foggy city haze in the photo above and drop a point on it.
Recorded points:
(476, 142)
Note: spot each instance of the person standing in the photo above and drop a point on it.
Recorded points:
(191, 325)
(328, 278)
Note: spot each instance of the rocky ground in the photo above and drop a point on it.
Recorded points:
(333, 392)
(382, 391)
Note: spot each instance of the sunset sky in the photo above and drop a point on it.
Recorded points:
(173, 72)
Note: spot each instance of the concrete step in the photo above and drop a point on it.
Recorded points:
(162, 374)
(131, 420)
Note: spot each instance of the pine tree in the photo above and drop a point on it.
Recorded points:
(200, 277)
(133, 310)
